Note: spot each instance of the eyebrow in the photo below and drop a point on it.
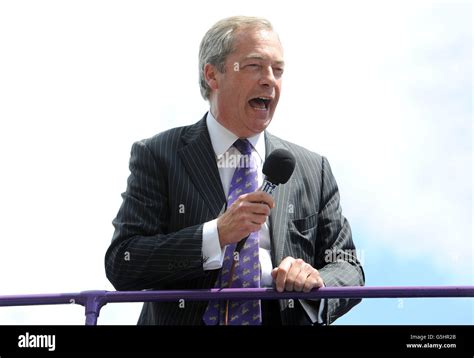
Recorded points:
(257, 57)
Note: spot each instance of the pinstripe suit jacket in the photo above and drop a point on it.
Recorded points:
(174, 187)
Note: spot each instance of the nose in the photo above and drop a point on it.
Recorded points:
(268, 78)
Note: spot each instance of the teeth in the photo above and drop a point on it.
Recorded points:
(266, 100)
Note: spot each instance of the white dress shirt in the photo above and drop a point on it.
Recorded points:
(222, 142)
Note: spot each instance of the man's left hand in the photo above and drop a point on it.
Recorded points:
(296, 275)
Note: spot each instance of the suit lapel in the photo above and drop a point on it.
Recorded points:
(199, 160)
(280, 214)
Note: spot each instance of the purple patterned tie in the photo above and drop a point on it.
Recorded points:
(247, 265)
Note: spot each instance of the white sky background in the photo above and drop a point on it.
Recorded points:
(383, 89)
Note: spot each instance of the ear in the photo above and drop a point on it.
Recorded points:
(210, 74)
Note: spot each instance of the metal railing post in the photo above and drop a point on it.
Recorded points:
(93, 301)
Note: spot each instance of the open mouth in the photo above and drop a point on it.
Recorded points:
(260, 103)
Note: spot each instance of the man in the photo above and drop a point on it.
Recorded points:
(185, 210)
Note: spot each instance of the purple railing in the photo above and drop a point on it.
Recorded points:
(93, 301)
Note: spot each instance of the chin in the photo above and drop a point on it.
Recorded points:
(259, 125)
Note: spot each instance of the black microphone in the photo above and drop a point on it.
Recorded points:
(278, 168)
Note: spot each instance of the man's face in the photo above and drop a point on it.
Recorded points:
(246, 94)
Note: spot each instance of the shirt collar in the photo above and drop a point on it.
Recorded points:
(222, 138)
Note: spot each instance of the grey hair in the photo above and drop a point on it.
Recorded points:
(218, 43)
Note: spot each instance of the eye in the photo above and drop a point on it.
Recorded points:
(278, 71)
(253, 65)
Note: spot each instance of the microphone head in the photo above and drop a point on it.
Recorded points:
(279, 166)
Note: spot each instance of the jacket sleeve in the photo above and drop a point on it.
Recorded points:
(336, 258)
(143, 254)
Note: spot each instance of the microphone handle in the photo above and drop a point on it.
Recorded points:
(267, 187)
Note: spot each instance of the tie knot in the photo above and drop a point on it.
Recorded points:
(244, 146)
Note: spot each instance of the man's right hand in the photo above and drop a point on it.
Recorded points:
(246, 214)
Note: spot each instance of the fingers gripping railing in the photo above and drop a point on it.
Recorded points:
(93, 301)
